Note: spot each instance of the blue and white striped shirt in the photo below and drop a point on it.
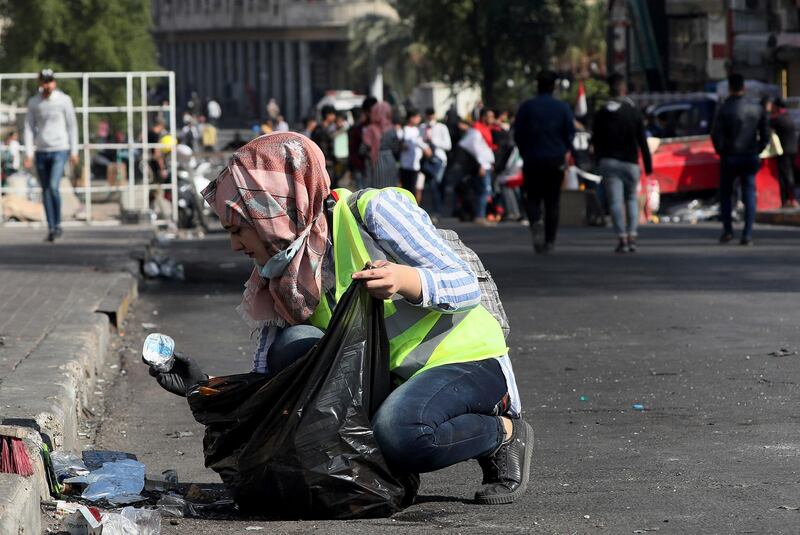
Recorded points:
(407, 235)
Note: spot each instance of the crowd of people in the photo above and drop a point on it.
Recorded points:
(491, 166)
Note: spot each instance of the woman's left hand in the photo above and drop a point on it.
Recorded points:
(384, 279)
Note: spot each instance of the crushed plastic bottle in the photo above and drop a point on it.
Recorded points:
(148, 521)
(172, 505)
(158, 351)
(116, 524)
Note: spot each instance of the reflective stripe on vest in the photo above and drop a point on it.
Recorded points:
(418, 338)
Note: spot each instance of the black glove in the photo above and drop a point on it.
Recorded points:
(185, 373)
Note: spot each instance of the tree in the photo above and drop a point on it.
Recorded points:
(489, 41)
(78, 35)
(377, 41)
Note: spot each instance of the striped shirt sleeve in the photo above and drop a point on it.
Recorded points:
(268, 335)
(405, 231)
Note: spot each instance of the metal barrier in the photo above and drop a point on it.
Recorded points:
(83, 112)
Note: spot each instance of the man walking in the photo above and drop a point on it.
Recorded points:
(51, 129)
(543, 132)
(618, 138)
(739, 134)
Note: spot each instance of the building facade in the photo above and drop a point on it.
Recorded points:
(700, 41)
(244, 52)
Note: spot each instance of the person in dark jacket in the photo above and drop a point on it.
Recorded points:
(357, 151)
(619, 137)
(739, 134)
(322, 136)
(543, 132)
(782, 124)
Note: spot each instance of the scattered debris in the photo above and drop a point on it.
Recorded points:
(789, 507)
(638, 407)
(132, 521)
(84, 521)
(180, 434)
(158, 264)
(175, 506)
(692, 212)
(149, 326)
(584, 399)
(167, 480)
(67, 465)
(94, 459)
(253, 528)
(118, 482)
(198, 494)
(783, 352)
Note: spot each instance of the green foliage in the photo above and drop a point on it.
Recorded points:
(78, 35)
(490, 41)
(381, 41)
(587, 36)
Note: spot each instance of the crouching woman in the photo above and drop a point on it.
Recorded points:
(457, 398)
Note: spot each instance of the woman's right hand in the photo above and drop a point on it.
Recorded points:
(184, 375)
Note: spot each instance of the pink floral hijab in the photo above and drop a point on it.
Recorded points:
(277, 184)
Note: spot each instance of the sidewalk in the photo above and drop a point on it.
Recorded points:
(58, 305)
(781, 216)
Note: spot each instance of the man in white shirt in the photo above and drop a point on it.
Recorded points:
(51, 131)
(437, 137)
(413, 148)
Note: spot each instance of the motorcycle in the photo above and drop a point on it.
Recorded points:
(193, 211)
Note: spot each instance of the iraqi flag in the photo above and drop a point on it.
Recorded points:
(581, 108)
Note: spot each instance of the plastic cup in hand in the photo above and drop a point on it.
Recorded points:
(159, 351)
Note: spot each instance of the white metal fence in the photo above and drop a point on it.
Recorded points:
(138, 149)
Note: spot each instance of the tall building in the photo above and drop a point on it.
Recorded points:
(244, 52)
(700, 41)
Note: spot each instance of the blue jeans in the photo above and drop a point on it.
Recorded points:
(744, 167)
(50, 168)
(443, 416)
(621, 182)
(483, 188)
(291, 344)
(438, 418)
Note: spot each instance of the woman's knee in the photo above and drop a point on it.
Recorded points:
(291, 344)
(405, 443)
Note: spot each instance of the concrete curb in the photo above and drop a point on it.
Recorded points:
(782, 217)
(46, 394)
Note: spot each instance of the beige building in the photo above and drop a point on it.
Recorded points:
(244, 52)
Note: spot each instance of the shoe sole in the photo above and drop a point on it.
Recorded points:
(526, 474)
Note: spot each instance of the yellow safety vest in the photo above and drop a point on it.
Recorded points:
(419, 339)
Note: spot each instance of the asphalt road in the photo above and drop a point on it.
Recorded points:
(687, 328)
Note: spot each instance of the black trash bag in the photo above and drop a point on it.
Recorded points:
(300, 444)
